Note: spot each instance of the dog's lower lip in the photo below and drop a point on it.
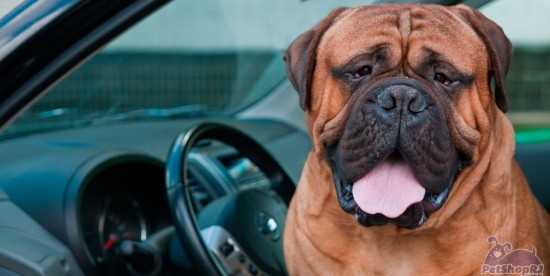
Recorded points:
(432, 202)
(361, 217)
(369, 220)
(345, 196)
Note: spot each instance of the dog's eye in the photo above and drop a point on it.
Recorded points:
(439, 77)
(363, 71)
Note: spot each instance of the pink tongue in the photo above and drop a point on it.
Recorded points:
(389, 189)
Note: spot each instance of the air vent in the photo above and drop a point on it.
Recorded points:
(245, 173)
(254, 180)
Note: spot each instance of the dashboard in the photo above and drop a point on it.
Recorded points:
(71, 199)
(97, 188)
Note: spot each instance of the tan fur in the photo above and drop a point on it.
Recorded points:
(490, 197)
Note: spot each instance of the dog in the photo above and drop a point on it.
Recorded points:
(412, 165)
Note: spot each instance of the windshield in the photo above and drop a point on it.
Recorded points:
(191, 58)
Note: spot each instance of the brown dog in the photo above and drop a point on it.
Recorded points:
(412, 170)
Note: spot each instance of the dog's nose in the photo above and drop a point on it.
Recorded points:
(401, 98)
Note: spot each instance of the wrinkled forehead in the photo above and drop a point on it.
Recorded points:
(414, 30)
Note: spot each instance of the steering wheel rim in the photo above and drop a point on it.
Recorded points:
(179, 195)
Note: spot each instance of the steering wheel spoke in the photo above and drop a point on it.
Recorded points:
(227, 251)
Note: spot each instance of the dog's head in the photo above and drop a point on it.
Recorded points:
(392, 95)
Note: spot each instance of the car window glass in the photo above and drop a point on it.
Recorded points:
(191, 58)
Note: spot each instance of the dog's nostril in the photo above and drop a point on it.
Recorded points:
(390, 104)
(386, 101)
(417, 105)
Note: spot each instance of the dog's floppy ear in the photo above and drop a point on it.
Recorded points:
(300, 57)
(499, 49)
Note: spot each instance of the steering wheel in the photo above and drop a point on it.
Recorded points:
(239, 232)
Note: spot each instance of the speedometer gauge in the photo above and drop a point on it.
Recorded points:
(120, 220)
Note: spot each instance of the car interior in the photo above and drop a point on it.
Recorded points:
(158, 129)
